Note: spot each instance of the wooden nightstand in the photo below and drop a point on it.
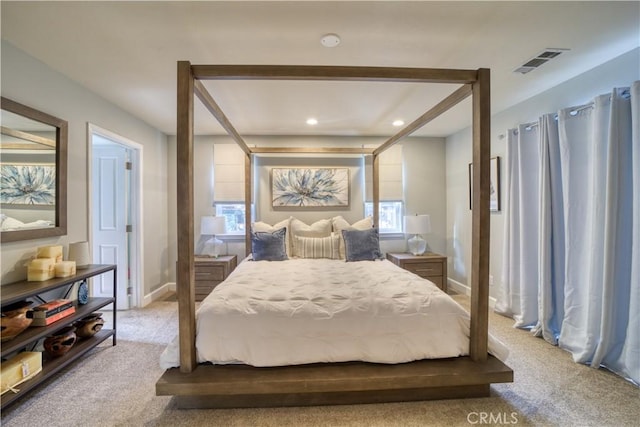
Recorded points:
(430, 266)
(210, 272)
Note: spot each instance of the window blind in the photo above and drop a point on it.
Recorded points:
(228, 173)
(390, 175)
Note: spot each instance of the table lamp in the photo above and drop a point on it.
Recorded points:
(417, 225)
(212, 226)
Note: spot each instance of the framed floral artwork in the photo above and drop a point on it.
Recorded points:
(310, 187)
(27, 184)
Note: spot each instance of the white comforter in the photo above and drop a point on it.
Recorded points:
(319, 310)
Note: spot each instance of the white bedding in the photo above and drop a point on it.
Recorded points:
(320, 310)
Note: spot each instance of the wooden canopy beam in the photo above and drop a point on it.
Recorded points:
(310, 150)
(217, 112)
(47, 142)
(312, 72)
(449, 102)
(375, 172)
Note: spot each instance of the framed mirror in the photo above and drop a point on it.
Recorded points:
(33, 173)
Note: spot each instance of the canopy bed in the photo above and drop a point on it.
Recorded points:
(241, 385)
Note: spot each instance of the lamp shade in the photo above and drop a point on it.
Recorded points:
(212, 225)
(417, 224)
(79, 252)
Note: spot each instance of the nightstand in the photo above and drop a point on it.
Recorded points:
(210, 272)
(429, 265)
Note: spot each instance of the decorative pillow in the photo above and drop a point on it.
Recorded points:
(263, 227)
(269, 246)
(317, 247)
(362, 245)
(320, 228)
(339, 224)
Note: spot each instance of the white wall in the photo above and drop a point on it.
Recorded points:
(31, 82)
(424, 188)
(579, 90)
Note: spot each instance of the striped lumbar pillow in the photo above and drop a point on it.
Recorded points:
(317, 247)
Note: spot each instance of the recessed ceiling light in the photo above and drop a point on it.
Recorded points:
(312, 121)
(397, 123)
(330, 40)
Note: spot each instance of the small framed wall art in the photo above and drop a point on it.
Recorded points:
(494, 198)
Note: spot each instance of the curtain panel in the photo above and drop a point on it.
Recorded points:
(572, 231)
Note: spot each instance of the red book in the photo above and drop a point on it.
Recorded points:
(49, 309)
(51, 305)
(49, 320)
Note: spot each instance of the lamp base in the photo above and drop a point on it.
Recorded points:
(417, 245)
(212, 247)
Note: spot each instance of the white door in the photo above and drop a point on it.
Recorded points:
(111, 207)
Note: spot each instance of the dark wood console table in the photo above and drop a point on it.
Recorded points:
(24, 290)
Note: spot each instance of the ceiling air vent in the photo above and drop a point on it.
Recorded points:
(541, 58)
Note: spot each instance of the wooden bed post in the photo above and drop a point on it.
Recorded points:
(248, 195)
(184, 273)
(480, 217)
(375, 171)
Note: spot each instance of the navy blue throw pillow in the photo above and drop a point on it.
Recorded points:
(269, 246)
(362, 245)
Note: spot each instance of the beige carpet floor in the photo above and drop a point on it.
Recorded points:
(114, 386)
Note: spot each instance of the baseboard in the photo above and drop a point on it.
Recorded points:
(158, 293)
(461, 288)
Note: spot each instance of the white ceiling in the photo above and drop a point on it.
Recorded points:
(127, 52)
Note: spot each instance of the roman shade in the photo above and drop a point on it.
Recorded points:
(228, 173)
(390, 175)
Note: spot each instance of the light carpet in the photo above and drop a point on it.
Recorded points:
(115, 386)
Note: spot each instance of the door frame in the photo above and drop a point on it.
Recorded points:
(137, 250)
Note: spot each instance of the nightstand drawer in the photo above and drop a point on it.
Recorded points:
(430, 266)
(437, 280)
(210, 272)
(214, 272)
(424, 269)
(205, 289)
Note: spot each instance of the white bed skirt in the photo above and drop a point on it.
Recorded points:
(318, 310)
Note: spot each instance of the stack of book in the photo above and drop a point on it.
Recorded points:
(47, 313)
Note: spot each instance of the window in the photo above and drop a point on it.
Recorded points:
(390, 216)
(234, 214)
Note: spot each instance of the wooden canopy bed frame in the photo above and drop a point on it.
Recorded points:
(214, 386)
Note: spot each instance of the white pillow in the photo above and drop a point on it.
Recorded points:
(339, 224)
(9, 223)
(320, 228)
(260, 226)
(317, 247)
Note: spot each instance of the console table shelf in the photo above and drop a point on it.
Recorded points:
(23, 290)
(34, 333)
(52, 366)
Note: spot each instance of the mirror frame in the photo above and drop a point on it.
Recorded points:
(61, 126)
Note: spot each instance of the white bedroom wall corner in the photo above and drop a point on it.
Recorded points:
(172, 213)
(158, 293)
(455, 287)
(425, 171)
(203, 167)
